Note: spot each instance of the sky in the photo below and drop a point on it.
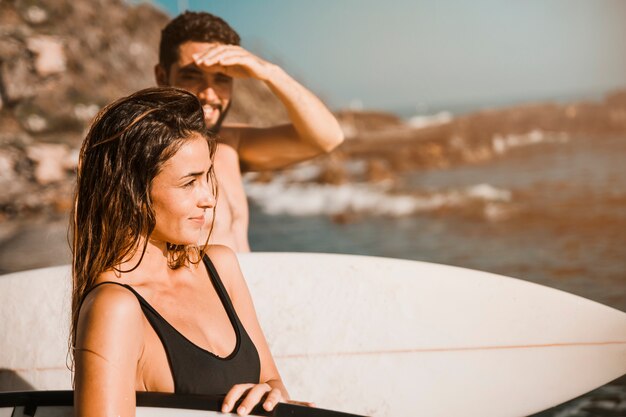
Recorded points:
(427, 55)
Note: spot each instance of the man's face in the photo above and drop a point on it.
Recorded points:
(212, 88)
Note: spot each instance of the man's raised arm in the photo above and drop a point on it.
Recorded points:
(313, 129)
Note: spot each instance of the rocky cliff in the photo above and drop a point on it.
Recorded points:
(60, 62)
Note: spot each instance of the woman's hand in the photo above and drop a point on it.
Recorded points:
(254, 393)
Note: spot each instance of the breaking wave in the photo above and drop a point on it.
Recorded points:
(503, 143)
(280, 196)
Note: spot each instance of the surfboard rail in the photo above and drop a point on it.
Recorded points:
(60, 404)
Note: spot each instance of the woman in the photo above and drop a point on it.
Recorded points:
(152, 311)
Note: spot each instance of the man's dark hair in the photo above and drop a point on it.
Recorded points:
(194, 27)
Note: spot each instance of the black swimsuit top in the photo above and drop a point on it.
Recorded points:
(196, 370)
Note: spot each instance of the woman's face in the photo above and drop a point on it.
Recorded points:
(182, 194)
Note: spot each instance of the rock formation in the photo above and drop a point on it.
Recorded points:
(60, 62)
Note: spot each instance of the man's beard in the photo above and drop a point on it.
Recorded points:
(218, 124)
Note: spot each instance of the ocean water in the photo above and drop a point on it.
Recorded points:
(550, 212)
(553, 213)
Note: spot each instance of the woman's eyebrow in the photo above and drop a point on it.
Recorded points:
(193, 174)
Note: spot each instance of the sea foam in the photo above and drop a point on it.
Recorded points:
(502, 143)
(282, 196)
(437, 119)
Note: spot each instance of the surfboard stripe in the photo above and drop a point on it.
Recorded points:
(455, 349)
(399, 352)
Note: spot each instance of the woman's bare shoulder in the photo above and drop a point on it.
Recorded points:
(222, 257)
(226, 263)
(109, 342)
(110, 311)
(109, 293)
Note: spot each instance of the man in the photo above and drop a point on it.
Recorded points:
(200, 53)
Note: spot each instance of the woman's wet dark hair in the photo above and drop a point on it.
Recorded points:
(125, 148)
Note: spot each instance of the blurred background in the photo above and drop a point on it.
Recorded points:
(488, 134)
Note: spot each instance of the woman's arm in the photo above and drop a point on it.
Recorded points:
(109, 342)
(270, 382)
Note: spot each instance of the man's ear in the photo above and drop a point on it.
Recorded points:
(160, 76)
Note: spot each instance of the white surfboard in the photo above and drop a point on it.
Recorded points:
(375, 336)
